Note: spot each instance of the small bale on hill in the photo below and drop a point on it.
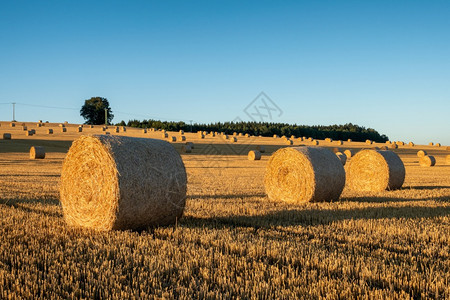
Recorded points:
(61, 125)
(118, 183)
(165, 135)
(186, 149)
(173, 139)
(400, 143)
(369, 142)
(247, 135)
(394, 146)
(29, 133)
(275, 136)
(37, 152)
(339, 142)
(117, 129)
(234, 140)
(375, 171)
(225, 137)
(421, 153)
(261, 148)
(80, 129)
(310, 139)
(123, 129)
(144, 130)
(6, 136)
(39, 125)
(49, 131)
(438, 145)
(181, 132)
(293, 137)
(63, 129)
(183, 138)
(12, 124)
(328, 140)
(427, 161)
(349, 153)
(288, 142)
(384, 148)
(349, 140)
(24, 128)
(314, 142)
(431, 144)
(254, 155)
(190, 144)
(342, 157)
(411, 144)
(304, 174)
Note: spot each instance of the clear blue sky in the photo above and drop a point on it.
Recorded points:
(379, 64)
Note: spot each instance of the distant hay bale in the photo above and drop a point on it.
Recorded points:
(212, 134)
(91, 126)
(411, 144)
(310, 139)
(275, 136)
(314, 142)
(288, 142)
(369, 142)
(201, 135)
(342, 157)
(33, 131)
(62, 125)
(349, 140)
(49, 131)
(394, 146)
(190, 144)
(328, 140)
(427, 161)
(39, 125)
(304, 174)
(339, 142)
(29, 133)
(284, 137)
(225, 136)
(12, 124)
(186, 149)
(40, 121)
(117, 183)
(336, 150)
(421, 153)
(182, 138)
(63, 129)
(24, 128)
(123, 129)
(349, 153)
(181, 132)
(80, 129)
(240, 134)
(6, 136)
(300, 139)
(247, 135)
(235, 133)
(261, 148)
(384, 148)
(388, 142)
(438, 145)
(37, 152)
(293, 137)
(165, 135)
(117, 129)
(104, 128)
(400, 143)
(431, 144)
(173, 138)
(234, 140)
(375, 170)
(144, 130)
(254, 155)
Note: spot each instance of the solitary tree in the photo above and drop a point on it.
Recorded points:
(93, 111)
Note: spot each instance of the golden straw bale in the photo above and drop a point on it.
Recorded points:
(388, 142)
(144, 130)
(342, 157)
(427, 161)
(310, 139)
(254, 155)
(431, 144)
(240, 134)
(421, 153)
(375, 170)
(349, 153)
(201, 136)
(190, 144)
(24, 128)
(183, 138)
(6, 136)
(173, 138)
(384, 148)
(123, 129)
(438, 145)
(369, 142)
(349, 140)
(293, 137)
(49, 131)
(400, 143)
(288, 142)
(328, 140)
(234, 139)
(38, 124)
(40, 121)
(284, 137)
(411, 144)
(29, 133)
(80, 129)
(165, 135)
(117, 129)
(118, 183)
(63, 129)
(12, 124)
(61, 125)
(247, 135)
(225, 137)
(186, 149)
(181, 132)
(339, 142)
(261, 148)
(300, 139)
(304, 174)
(235, 133)
(314, 142)
(394, 146)
(37, 152)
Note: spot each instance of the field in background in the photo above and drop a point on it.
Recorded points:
(232, 241)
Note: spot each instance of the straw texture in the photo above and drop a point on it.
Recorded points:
(304, 174)
(427, 161)
(37, 152)
(375, 170)
(115, 182)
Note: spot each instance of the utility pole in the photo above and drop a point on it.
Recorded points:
(191, 124)
(106, 117)
(14, 111)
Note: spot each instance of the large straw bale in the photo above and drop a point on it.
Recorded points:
(116, 182)
(37, 152)
(427, 161)
(254, 155)
(6, 136)
(375, 170)
(421, 153)
(304, 174)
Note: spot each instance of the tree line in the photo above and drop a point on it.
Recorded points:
(336, 132)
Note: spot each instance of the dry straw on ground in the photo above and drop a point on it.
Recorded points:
(375, 170)
(6, 136)
(37, 152)
(116, 182)
(304, 174)
(427, 161)
(421, 153)
(254, 155)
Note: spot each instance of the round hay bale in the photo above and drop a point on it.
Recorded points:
(6, 136)
(190, 144)
(431, 144)
(339, 142)
(247, 135)
(336, 150)
(144, 130)
(37, 152)
(186, 149)
(181, 132)
(254, 155)
(29, 133)
(12, 124)
(235, 134)
(38, 124)
(314, 142)
(234, 140)
(183, 138)
(421, 153)
(49, 131)
(369, 142)
(33, 131)
(293, 137)
(80, 129)
(173, 139)
(349, 140)
(63, 129)
(24, 128)
(438, 145)
(427, 161)
(349, 153)
(384, 148)
(375, 170)
(123, 129)
(261, 148)
(240, 134)
(165, 135)
(342, 157)
(394, 146)
(300, 139)
(388, 142)
(104, 128)
(411, 144)
(201, 136)
(310, 139)
(116, 182)
(447, 159)
(117, 129)
(328, 140)
(288, 142)
(304, 174)
(225, 136)
(62, 125)
(400, 143)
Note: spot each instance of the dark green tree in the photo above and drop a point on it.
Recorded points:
(93, 111)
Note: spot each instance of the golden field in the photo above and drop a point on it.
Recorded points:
(232, 241)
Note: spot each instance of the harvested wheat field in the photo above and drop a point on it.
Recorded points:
(232, 241)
